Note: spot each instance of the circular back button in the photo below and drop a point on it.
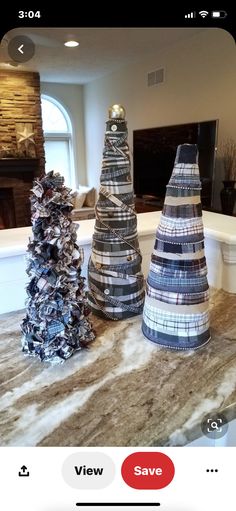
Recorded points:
(148, 470)
(21, 48)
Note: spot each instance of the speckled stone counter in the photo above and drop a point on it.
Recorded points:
(122, 391)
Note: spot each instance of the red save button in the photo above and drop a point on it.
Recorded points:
(148, 470)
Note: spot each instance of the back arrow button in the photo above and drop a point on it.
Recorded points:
(21, 48)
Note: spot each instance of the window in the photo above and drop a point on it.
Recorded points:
(58, 139)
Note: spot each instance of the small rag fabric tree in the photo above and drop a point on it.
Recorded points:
(116, 283)
(176, 307)
(56, 324)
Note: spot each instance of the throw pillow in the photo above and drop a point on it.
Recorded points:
(79, 199)
(90, 195)
(90, 198)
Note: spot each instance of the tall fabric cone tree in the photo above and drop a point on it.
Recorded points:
(116, 283)
(176, 304)
(56, 323)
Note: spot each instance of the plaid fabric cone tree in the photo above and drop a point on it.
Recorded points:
(56, 324)
(176, 304)
(116, 283)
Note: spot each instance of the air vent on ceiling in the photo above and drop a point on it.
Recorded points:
(155, 77)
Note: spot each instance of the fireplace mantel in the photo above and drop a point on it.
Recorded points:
(18, 165)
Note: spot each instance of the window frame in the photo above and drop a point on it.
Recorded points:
(66, 136)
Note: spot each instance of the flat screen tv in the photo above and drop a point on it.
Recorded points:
(154, 151)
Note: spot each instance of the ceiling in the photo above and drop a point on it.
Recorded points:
(101, 50)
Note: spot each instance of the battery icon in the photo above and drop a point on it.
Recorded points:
(218, 14)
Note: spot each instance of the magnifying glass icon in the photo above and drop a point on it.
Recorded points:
(214, 425)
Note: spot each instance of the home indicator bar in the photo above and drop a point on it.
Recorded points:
(121, 504)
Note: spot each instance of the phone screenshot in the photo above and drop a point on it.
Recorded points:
(118, 264)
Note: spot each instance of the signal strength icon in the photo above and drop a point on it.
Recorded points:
(190, 15)
(203, 14)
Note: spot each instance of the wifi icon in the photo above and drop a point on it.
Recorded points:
(203, 14)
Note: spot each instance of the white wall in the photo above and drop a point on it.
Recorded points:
(200, 85)
(71, 97)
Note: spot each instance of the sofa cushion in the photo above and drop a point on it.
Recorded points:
(83, 214)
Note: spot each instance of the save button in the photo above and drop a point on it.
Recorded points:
(148, 470)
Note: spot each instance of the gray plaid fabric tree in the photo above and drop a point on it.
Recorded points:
(56, 324)
(116, 284)
(176, 310)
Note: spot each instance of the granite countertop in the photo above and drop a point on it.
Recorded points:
(122, 391)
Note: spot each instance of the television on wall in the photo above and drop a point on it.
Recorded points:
(154, 151)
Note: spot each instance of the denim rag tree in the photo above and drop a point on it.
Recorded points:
(56, 323)
(116, 283)
(176, 312)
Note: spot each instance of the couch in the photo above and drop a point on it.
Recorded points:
(84, 203)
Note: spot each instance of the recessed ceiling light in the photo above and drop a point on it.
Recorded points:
(71, 44)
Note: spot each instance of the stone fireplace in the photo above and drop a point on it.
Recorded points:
(16, 177)
(20, 111)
